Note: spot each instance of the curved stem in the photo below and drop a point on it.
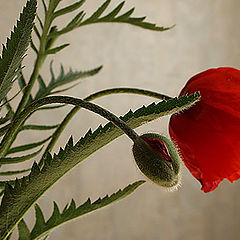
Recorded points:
(91, 97)
(68, 100)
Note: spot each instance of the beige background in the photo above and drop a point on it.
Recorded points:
(206, 35)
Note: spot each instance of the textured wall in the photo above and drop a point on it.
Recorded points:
(206, 35)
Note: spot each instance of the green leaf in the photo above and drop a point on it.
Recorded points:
(28, 146)
(23, 231)
(57, 49)
(15, 49)
(9, 173)
(38, 127)
(12, 160)
(16, 202)
(111, 17)
(62, 79)
(68, 9)
(124, 18)
(71, 212)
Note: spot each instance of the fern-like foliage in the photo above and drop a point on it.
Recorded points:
(111, 17)
(15, 49)
(69, 213)
(62, 79)
(16, 201)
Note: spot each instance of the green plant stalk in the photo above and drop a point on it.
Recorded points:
(5, 144)
(91, 97)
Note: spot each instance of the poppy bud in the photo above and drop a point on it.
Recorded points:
(158, 159)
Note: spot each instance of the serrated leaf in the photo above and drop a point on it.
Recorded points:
(41, 227)
(13, 160)
(124, 18)
(14, 205)
(9, 173)
(23, 231)
(15, 49)
(62, 79)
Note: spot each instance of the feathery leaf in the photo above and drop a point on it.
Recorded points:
(111, 17)
(62, 79)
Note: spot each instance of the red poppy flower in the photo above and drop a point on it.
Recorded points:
(208, 134)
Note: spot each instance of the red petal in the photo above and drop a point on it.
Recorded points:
(208, 133)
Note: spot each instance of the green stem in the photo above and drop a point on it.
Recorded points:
(91, 97)
(4, 146)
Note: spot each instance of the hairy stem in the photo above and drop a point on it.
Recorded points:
(4, 146)
(91, 97)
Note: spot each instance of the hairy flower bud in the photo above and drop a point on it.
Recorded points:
(158, 159)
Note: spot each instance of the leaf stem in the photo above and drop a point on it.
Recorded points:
(5, 144)
(91, 97)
